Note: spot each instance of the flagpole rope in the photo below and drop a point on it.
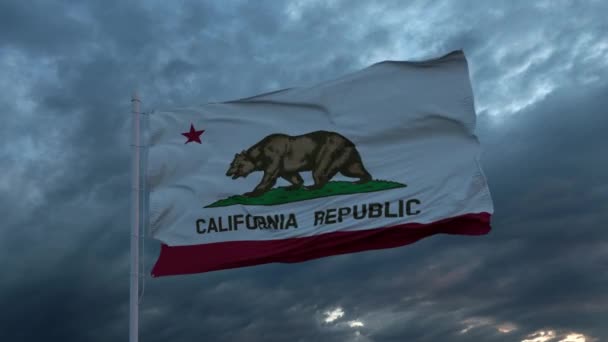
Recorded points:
(141, 274)
(144, 228)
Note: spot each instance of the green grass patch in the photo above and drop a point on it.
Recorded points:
(281, 196)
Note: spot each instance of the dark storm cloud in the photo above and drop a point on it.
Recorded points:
(68, 71)
(40, 26)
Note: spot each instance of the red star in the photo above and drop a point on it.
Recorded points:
(193, 135)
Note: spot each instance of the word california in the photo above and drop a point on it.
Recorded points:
(401, 208)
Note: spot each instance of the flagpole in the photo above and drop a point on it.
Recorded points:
(134, 275)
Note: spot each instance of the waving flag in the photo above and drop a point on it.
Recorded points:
(378, 158)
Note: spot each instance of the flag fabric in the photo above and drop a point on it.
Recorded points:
(379, 158)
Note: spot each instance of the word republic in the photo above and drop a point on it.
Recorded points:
(230, 223)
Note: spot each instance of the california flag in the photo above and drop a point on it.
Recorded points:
(378, 158)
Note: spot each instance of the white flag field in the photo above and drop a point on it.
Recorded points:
(378, 158)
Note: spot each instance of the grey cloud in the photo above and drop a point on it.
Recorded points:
(39, 27)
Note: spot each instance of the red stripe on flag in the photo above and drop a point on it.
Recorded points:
(224, 255)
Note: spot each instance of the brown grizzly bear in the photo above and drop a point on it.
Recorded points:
(279, 155)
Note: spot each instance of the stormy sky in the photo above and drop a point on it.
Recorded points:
(539, 74)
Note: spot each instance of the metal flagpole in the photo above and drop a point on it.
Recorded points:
(134, 288)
